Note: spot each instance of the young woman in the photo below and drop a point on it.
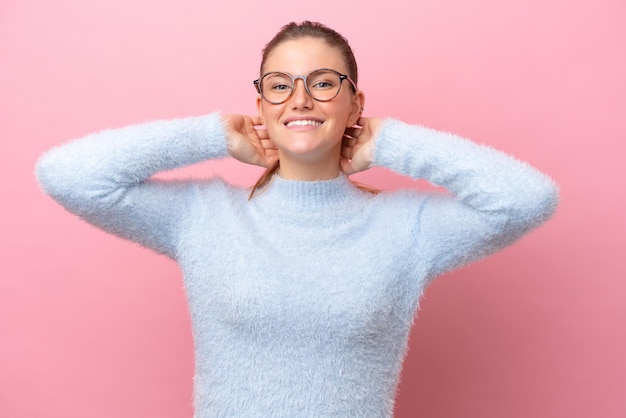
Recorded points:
(301, 293)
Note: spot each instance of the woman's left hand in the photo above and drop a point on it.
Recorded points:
(357, 151)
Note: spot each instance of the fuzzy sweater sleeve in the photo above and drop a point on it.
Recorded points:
(105, 177)
(495, 199)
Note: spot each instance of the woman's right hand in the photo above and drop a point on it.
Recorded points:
(247, 143)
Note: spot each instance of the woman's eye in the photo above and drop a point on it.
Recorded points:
(280, 87)
(322, 85)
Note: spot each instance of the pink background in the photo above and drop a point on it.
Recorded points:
(92, 326)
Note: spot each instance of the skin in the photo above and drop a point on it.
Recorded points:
(344, 141)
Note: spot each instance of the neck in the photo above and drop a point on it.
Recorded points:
(307, 198)
(295, 169)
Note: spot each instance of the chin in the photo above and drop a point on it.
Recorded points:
(311, 154)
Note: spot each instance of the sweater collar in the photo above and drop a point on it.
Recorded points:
(309, 195)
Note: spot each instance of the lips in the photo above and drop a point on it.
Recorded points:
(303, 122)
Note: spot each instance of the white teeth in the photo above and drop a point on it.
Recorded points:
(304, 123)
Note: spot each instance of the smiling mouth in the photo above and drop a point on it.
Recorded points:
(303, 123)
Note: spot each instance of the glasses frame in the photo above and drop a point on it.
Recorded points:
(294, 78)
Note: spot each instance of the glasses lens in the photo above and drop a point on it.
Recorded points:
(276, 87)
(324, 84)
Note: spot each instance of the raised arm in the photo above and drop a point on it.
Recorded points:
(105, 177)
(494, 200)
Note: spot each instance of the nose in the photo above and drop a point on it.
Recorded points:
(300, 98)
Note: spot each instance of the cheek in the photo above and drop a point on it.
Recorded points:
(267, 109)
(270, 116)
(340, 114)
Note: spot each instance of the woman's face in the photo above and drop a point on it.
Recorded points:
(320, 137)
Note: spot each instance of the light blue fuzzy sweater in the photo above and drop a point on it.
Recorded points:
(302, 298)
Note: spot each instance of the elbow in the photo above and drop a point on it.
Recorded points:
(62, 178)
(548, 200)
(47, 174)
(540, 203)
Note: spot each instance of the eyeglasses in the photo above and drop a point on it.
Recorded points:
(322, 85)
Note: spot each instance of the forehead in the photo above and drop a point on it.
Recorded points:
(300, 56)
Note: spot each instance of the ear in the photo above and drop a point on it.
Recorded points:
(259, 105)
(356, 109)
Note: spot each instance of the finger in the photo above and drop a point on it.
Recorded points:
(349, 141)
(271, 154)
(346, 166)
(268, 144)
(354, 131)
(262, 134)
(270, 158)
(257, 120)
(346, 152)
